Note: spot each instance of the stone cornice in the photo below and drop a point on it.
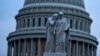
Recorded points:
(41, 30)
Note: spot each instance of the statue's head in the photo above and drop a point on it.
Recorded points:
(60, 14)
(55, 15)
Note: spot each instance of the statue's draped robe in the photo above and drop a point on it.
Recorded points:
(57, 38)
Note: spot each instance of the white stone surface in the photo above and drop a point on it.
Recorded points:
(55, 4)
(54, 54)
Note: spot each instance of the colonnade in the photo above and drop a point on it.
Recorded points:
(31, 22)
(26, 47)
(75, 23)
(35, 47)
(77, 48)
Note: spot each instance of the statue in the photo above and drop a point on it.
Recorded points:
(57, 34)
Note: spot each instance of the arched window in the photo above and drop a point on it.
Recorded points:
(39, 22)
(81, 24)
(33, 23)
(28, 22)
(85, 26)
(71, 22)
(76, 25)
(19, 23)
(23, 23)
(45, 21)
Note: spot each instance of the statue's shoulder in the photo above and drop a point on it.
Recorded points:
(50, 18)
(50, 21)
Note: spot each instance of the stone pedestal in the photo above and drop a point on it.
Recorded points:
(54, 54)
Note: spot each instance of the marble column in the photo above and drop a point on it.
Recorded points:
(24, 51)
(91, 50)
(28, 47)
(31, 22)
(8, 52)
(83, 49)
(95, 51)
(77, 48)
(73, 48)
(10, 49)
(36, 21)
(19, 47)
(14, 49)
(25, 22)
(74, 23)
(70, 48)
(88, 50)
(39, 47)
(32, 47)
(42, 21)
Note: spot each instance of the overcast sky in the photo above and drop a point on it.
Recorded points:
(9, 8)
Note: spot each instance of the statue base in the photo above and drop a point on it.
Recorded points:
(54, 54)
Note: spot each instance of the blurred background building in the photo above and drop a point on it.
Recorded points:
(29, 39)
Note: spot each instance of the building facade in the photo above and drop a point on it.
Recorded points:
(29, 39)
